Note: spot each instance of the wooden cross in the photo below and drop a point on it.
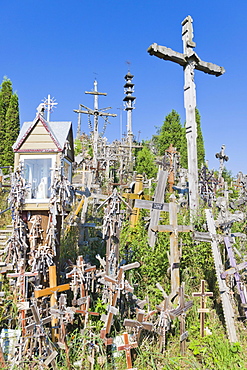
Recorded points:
(138, 194)
(190, 61)
(155, 211)
(155, 206)
(182, 307)
(40, 331)
(173, 229)
(127, 348)
(139, 324)
(203, 308)
(78, 274)
(52, 290)
(112, 309)
(22, 275)
(96, 112)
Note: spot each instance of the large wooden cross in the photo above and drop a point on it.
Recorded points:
(190, 61)
(173, 229)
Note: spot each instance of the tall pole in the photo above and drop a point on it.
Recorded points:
(95, 126)
(129, 101)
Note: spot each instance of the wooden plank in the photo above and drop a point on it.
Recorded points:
(35, 145)
(171, 228)
(154, 213)
(49, 291)
(148, 204)
(135, 196)
(224, 290)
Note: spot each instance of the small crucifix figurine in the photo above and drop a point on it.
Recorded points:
(172, 152)
(203, 308)
(222, 158)
(127, 347)
(190, 61)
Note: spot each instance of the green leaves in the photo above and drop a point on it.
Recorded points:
(9, 122)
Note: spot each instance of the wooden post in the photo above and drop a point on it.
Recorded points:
(53, 300)
(2, 360)
(127, 347)
(224, 290)
(202, 310)
(183, 333)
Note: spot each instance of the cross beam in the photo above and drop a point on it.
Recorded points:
(190, 61)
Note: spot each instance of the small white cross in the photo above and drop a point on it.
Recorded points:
(49, 103)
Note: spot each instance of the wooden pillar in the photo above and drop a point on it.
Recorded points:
(53, 301)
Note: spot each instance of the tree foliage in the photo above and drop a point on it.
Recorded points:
(145, 162)
(200, 141)
(172, 132)
(169, 133)
(9, 122)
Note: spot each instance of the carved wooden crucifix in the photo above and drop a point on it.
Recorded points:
(203, 308)
(171, 151)
(190, 61)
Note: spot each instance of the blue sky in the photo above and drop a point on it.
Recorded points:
(59, 47)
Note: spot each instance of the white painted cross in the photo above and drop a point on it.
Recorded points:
(49, 104)
(190, 61)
